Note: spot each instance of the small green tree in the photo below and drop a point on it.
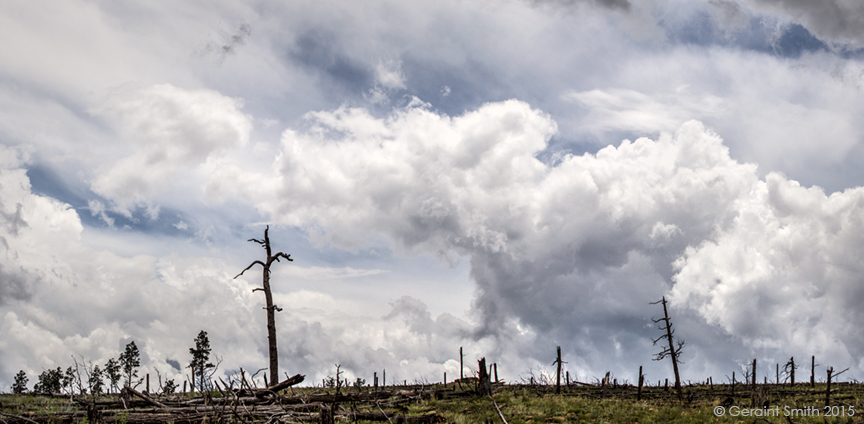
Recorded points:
(130, 360)
(112, 370)
(95, 380)
(20, 384)
(200, 360)
(50, 381)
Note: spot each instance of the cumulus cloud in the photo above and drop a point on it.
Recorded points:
(785, 274)
(578, 249)
(174, 131)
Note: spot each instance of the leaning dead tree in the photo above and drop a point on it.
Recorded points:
(268, 295)
(671, 351)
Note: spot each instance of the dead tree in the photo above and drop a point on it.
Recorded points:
(789, 369)
(813, 371)
(831, 374)
(461, 365)
(484, 386)
(558, 374)
(268, 295)
(753, 385)
(671, 351)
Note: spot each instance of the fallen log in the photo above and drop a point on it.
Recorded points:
(143, 396)
(297, 379)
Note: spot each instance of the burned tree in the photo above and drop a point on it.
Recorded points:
(671, 351)
(268, 295)
(558, 374)
(789, 369)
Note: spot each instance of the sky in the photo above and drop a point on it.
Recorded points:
(505, 176)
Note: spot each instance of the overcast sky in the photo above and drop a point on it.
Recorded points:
(502, 175)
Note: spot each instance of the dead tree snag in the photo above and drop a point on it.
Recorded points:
(789, 369)
(671, 351)
(813, 371)
(484, 386)
(268, 295)
(558, 374)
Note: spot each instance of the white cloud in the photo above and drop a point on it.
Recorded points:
(175, 131)
(326, 273)
(389, 74)
(388, 175)
(621, 109)
(785, 275)
(583, 246)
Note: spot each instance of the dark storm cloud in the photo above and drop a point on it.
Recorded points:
(836, 20)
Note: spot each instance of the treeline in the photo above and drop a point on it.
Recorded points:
(86, 377)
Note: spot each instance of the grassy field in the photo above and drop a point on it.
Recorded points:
(532, 404)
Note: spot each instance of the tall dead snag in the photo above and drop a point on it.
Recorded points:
(813, 371)
(461, 365)
(268, 295)
(753, 385)
(670, 351)
(558, 374)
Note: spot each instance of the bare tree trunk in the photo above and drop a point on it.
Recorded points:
(753, 385)
(461, 366)
(558, 374)
(828, 387)
(813, 371)
(268, 296)
(485, 386)
(672, 352)
(271, 323)
(792, 373)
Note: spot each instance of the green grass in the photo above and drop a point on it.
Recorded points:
(526, 404)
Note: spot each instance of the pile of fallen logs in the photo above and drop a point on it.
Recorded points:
(247, 405)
